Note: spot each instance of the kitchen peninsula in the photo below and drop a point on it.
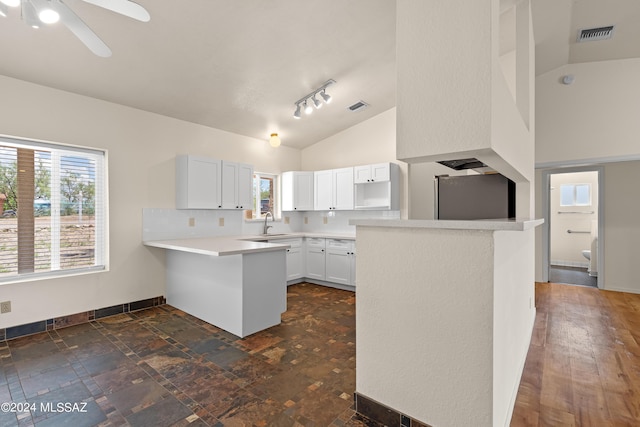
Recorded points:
(237, 285)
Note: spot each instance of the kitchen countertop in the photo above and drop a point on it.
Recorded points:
(236, 245)
(489, 225)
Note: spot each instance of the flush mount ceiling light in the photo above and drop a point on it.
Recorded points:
(309, 100)
(274, 140)
(36, 12)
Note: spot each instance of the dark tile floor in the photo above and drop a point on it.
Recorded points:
(162, 367)
(572, 276)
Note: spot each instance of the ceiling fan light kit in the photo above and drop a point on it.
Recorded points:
(35, 12)
(310, 100)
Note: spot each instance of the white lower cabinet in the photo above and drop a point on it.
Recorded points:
(315, 258)
(331, 260)
(295, 258)
(340, 261)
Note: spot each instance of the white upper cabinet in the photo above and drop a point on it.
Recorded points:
(377, 187)
(237, 185)
(297, 191)
(372, 173)
(333, 189)
(198, 181)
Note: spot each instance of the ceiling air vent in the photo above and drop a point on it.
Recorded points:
(358, 106)
(592, 34)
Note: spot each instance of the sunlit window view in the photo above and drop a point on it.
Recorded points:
(51, 209)
(264, 194)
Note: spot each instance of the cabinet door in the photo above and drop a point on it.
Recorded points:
(315, 258)
(361, 174)
(245, 186)
(343, 189)
(294, 263)
(229, 185)
(323, 190)
(303, 191)
(380, 172)
(352, 262)
(338, 265)
(197, 183)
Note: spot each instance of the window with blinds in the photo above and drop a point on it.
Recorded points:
(52, 209)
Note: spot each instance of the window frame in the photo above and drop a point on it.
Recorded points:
(276, 212)
(101, 254)
(574, 193)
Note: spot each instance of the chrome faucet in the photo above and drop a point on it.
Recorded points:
(267, 227)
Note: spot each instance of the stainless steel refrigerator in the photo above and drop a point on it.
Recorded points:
(470, 197)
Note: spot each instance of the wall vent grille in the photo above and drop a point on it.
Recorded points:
(592, 34)
(360, 105)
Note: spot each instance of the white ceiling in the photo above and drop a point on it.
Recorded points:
(240, 65)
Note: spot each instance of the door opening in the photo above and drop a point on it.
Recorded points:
(573, 217)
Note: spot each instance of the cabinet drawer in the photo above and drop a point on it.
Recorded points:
(294, 243)
(315, 242)
(338, 244)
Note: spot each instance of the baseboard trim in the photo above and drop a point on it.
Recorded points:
(18, 331)
(383, 414)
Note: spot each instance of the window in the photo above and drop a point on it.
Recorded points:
(264, 195)
(575, 195)
(52, 209)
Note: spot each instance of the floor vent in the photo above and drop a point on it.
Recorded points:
(358, 106)
(592, 34)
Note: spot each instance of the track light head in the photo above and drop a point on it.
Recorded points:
(325, 96)
(308, 108)
(316, 103)
(296, 115)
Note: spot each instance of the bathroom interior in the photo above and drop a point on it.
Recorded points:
(573, 221)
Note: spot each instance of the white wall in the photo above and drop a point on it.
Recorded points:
(594, 118)
(141, 148)
(621, 226)
(566, 248)
(372, 141)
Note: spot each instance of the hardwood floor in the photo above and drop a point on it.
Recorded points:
(583, 364)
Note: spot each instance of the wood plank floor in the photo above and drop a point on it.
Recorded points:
(583, 364)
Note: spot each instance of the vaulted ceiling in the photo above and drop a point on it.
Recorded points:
(241, 65)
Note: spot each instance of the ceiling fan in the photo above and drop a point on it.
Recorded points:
(36, 12)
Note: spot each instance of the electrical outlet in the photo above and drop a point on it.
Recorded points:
(5, 307)
(286, 220)
(306, 220)
(192, 222)
(325, 220)
(221, 222)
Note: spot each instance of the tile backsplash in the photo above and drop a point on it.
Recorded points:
(165, 224)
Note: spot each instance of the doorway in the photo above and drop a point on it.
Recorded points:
(573, 226)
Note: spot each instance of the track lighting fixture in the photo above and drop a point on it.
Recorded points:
(311, 98)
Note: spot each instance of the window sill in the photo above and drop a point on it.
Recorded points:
(33, 277)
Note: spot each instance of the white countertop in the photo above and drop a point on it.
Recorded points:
(489, 225)
(236, 245)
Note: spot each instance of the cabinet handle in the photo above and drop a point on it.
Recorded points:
(219, 206)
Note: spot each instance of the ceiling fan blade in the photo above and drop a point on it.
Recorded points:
(80, 29)
(124, 7)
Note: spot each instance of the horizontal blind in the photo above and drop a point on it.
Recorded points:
(55, 220)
